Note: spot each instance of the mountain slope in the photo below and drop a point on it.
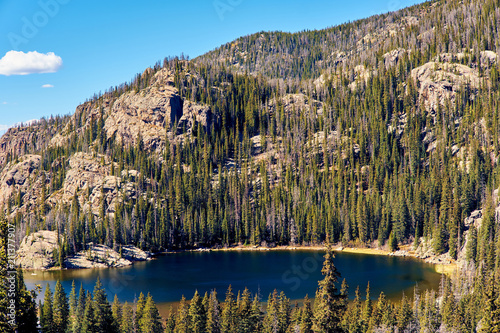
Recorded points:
(384, 126)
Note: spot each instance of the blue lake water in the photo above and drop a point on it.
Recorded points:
(297, 273)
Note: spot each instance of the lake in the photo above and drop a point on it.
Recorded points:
(296, 272)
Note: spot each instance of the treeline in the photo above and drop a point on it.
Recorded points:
(358, 164)
(431, 28)
(17, 304)
(466, 302)
(86, 312)
(340, 172)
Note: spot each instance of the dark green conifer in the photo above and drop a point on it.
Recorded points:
(60, 309)
(150, 321)
(329, 302)
(127, 321)
(197, 314)
(306, 317)
(228, 317)
(47, 319)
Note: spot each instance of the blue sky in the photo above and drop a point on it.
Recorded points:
(75, 48)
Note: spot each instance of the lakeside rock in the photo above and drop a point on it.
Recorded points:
(38, 250)
(102, 256)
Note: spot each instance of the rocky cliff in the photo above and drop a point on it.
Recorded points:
(154, 114)
(40, 251)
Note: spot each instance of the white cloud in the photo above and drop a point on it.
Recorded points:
(4, 103)
(20, 63)
(47, 86)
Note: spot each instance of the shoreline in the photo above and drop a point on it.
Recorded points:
(440, 268)
(447, 268)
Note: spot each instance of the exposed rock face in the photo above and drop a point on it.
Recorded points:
(32, 136)
(194, 114)
(132, 253)
(475, 219)
(19, 177)
(97, 256)
(13, 142)
(425, 251)
(88, 175)
(111, 189)
(392, 58)
(151, 114)
(297, 102)
(101, 256)
(488, 58)
(441, 81)
(36, 250)
(22, 170)
(361, 74)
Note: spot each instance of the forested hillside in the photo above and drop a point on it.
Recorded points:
(384, 126)
(380, 133)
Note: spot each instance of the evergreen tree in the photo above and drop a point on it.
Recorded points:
(404, 314)
(448, 306)
(116, 310)
(284, 312)
(197, 314)
(127, 320)
(213, 314)
(80, 310)
(25, 305)
(102, 310)
(60, 309)
(393, 242)
(228, 317)
(353, 320)
(271, 317)
(306, 317)
(471, 248)
(47, 319)
(245, 312)
(329, 303)
(139, 309)
(150, 321)
(491, 319)
(90, 322)
(170, 322)
(381, 316)
(25, 319)
(73, 304)
(256, 315)
(367, 309)
(183, 320)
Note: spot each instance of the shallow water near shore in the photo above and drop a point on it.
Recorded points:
(297, 273)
